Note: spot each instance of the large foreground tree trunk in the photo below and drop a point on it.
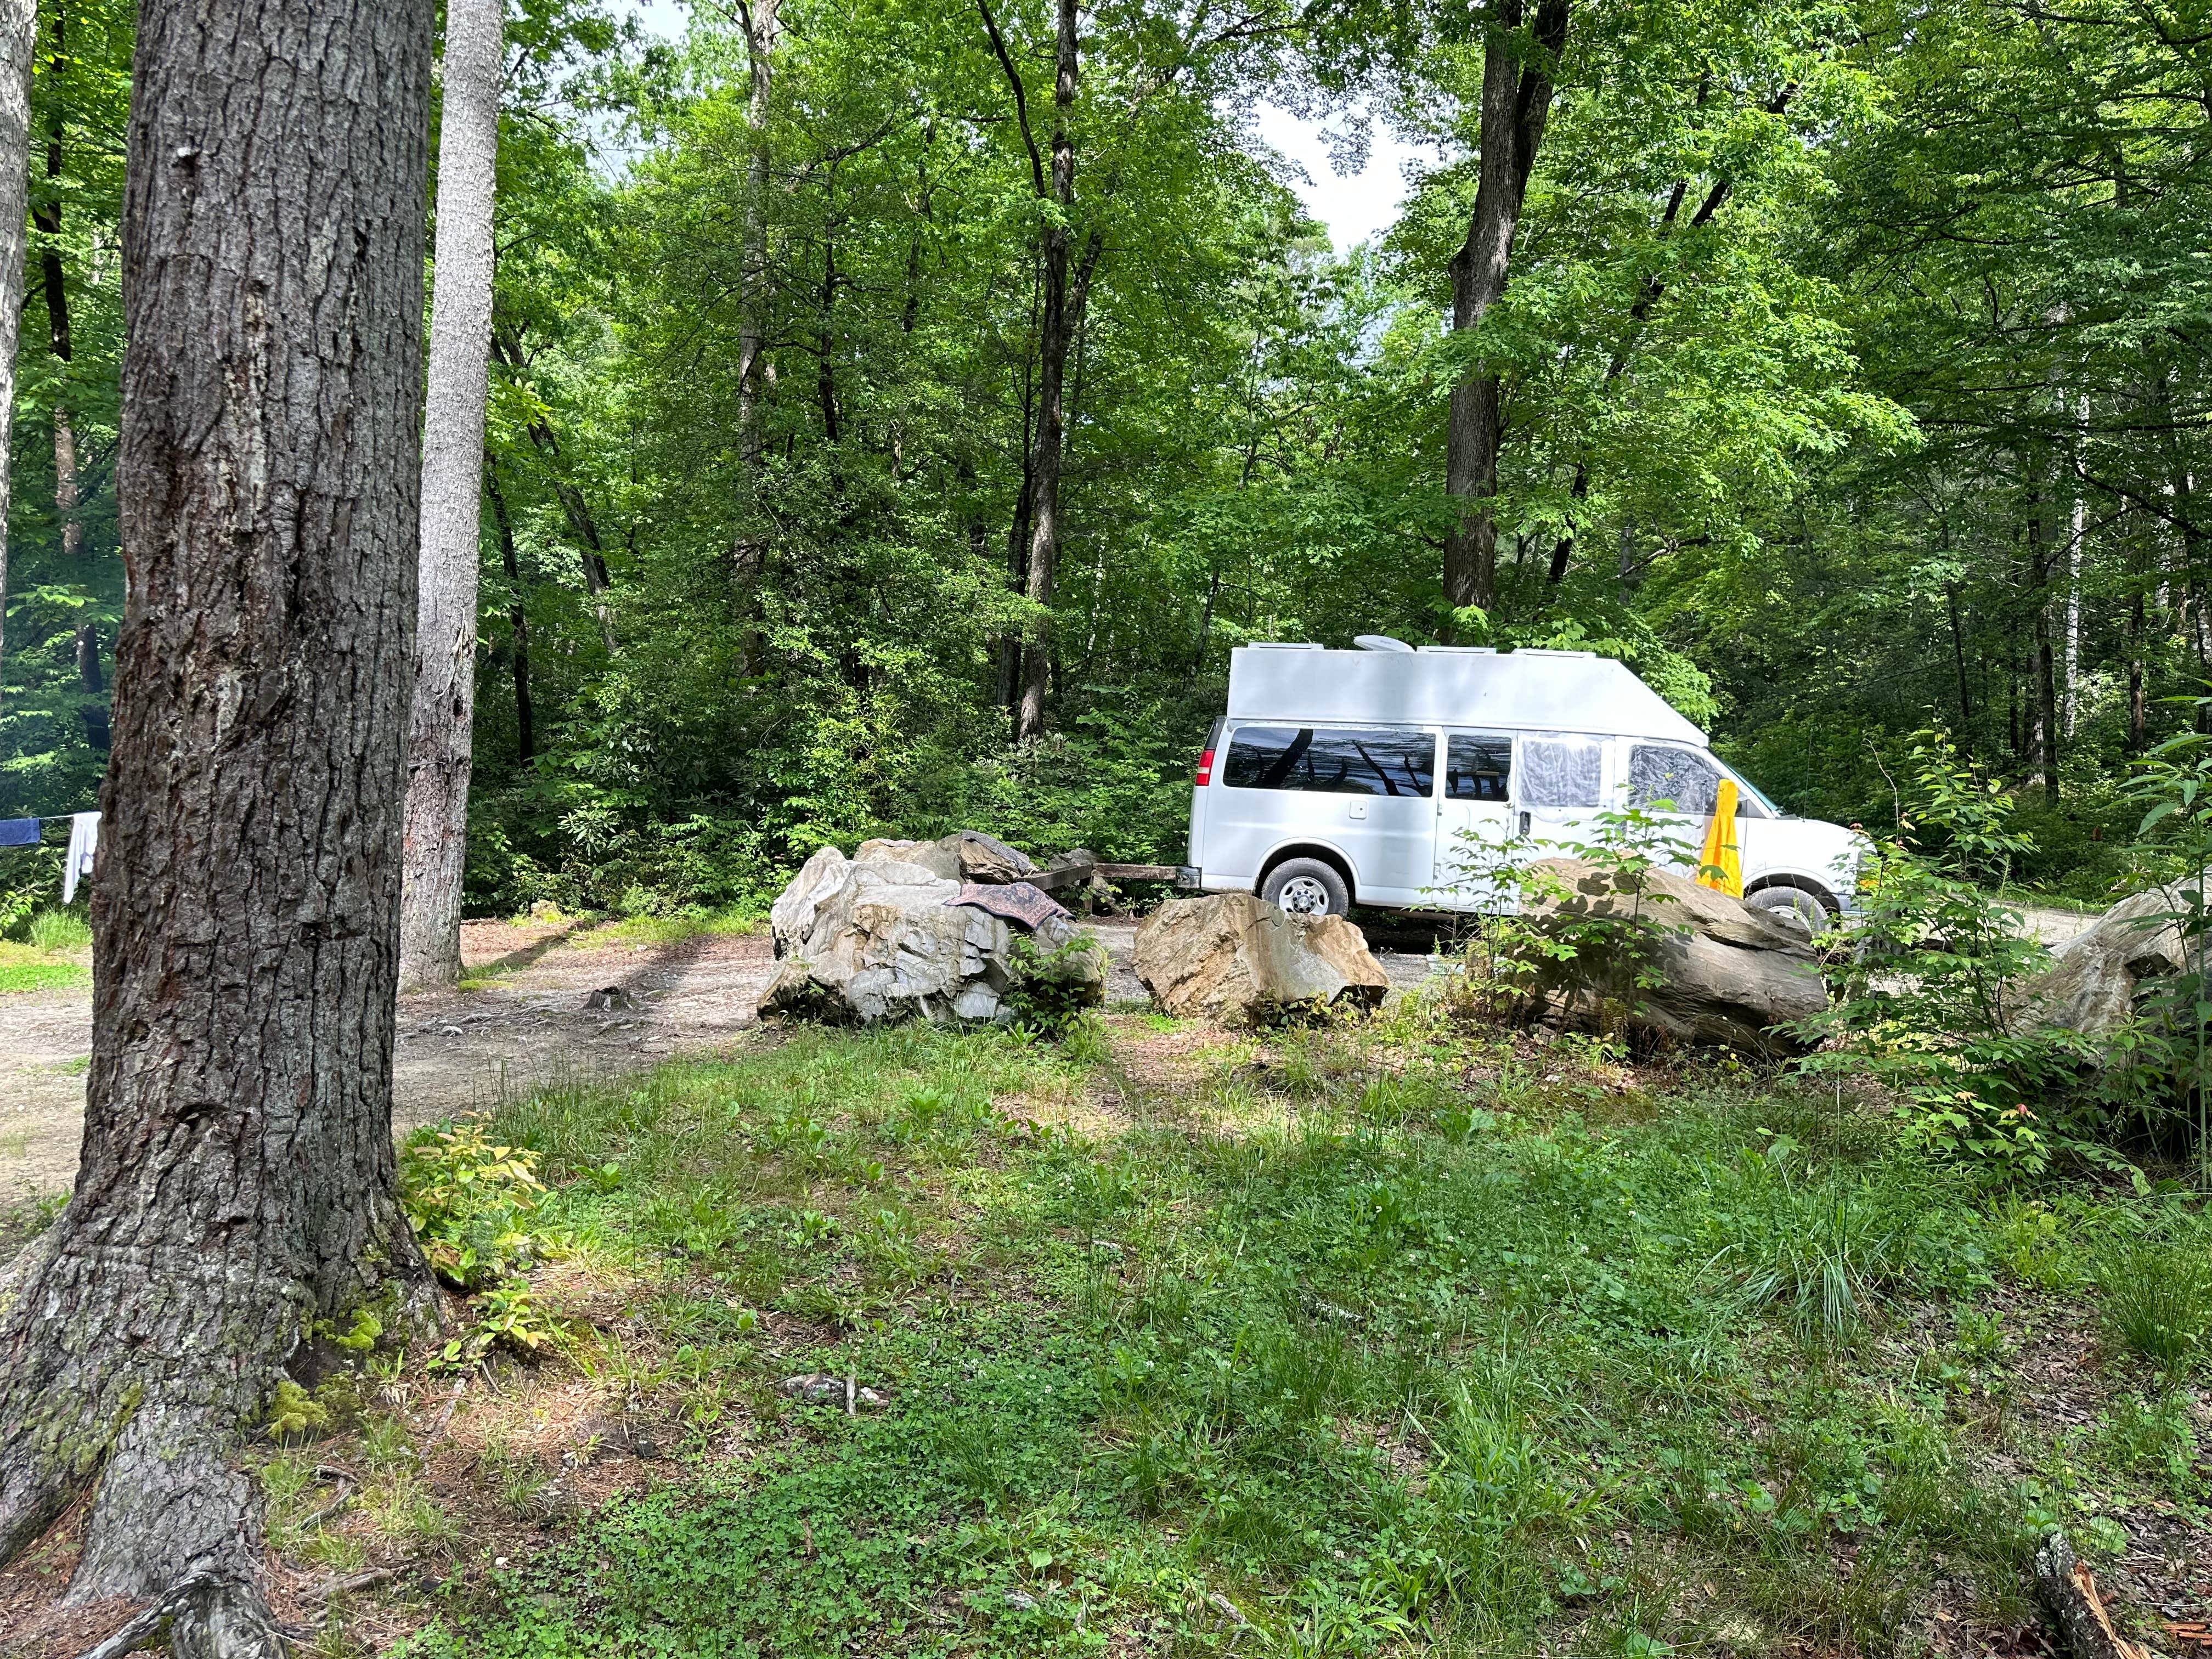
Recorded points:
(1516, 101)
(236, 1184)
(438, 749)
(19, 38)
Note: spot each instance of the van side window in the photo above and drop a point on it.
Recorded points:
(1341, 761)
(1478, 769)
(1560, 771)
(1683, 776)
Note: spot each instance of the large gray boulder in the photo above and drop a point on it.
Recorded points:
(2095, 978)
(1727, 975)
(883, 935)
(1234, 956)
(964, 855)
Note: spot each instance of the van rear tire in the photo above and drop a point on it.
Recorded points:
(1794, 903)
(1307, 887)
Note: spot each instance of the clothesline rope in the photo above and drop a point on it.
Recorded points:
(83, 844)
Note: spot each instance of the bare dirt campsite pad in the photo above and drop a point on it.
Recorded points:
(1384, 1336)
(519, 1020)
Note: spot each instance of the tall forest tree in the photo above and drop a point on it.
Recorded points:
(442, 722)
(1063, 297)
(1520, 63)
(236, 1187)
(19, 30)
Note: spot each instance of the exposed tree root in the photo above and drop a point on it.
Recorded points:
(209, 1617)
(140, 1374)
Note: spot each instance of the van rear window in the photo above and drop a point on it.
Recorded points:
(1333, 761)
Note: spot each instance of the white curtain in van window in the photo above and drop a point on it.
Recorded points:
(1656, 773)
(1559, 771)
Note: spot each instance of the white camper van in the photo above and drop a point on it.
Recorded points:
(1344, 777)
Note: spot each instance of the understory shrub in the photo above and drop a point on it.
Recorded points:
(470, 1202)
(1925, 987)
(1052, 988)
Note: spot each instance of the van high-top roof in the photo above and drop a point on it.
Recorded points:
(1451, 685)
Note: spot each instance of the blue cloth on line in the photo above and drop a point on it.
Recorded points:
(18, 832)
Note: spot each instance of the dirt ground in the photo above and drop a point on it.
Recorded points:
(523, 1023)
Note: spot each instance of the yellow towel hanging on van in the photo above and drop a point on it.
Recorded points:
(1720, 863)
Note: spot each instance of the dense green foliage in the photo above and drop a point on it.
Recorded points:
(1853, 379)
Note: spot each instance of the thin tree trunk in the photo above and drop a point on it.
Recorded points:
(761, 32)
(89, 682)
(1516, 100)
(2080, 531)
(825, 380)
(46, 218)
(1959, 664)
(592, 552)
(1017, 575)
(518, 615)
(1055, 333)
(443, 717)
(1060, 314)
(2043, 745)
(924, 193)
(2136, 622)
(1655, 289)
(18, 40)
(1017, 533)
(1204, 624)
(1063, 310)
(236, 1185)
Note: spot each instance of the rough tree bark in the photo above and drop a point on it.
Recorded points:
(444, 712)
(18, 40)
(236, 1181)
(1516, 100)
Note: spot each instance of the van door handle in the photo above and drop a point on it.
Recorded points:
(1524, 824)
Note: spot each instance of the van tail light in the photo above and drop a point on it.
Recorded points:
(1204, 769)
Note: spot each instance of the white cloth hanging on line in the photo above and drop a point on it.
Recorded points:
(84, 842)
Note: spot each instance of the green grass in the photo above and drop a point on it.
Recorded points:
(23, 968)
(2158, 1300)
(673, 928)
(1378, 1339)
(60, 931)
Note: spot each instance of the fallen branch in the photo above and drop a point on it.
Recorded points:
(331, 1511)
(359, 1581)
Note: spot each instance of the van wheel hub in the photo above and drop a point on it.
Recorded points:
(1303, 896)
